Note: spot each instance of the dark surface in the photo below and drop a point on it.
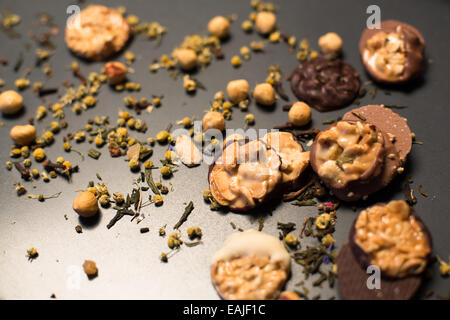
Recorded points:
(128, 260)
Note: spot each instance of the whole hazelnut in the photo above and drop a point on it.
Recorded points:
(213, 120)
(10, 102)
(300, 114)
(219, 27)
(264, 94)
(330, 43)
(237, 90)
(186, 58)
(90, 268)
(23, 135)
(85, 204)
(265, 22)
(116, 72)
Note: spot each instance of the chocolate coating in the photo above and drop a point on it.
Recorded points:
(389, 122)
(353, 281)
(325, 84)
(414, 49)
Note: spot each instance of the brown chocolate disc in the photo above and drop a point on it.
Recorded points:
(325, 84)
(353, 279)
(414, 48)
(388, 121)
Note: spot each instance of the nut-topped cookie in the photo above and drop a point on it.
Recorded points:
(97, 33)
(294, 160)
(250, 265)
(245, 175)
(393, 53)
(392, 238)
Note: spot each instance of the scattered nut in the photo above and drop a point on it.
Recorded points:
(213, 120)
(116, 72)
(237, 90)
(300, 114)
(85, 204)
(23, 135)
(10, 102)
(219, 27)
(265, 22)
(264, 94)
(186, 58)
(330, 43)
(90, 268)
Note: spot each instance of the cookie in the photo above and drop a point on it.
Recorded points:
(354, 159)
(250, 265)
(97, 33)
(245, 175)
(393, 238)
(395, 126)
(394, 53)
(294, 160)
(325, 84)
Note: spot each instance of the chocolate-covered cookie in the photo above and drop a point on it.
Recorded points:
(393, 238)
(394, 125)
(245, 175)
(325, 84)
(393, 53)
(354, 159)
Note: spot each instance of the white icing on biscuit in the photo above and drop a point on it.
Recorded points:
(250, 242)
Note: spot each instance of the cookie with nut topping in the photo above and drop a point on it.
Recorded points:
(251, 265)
(97, 33)
(395, 126)
(392, 238)
(245, 175)
(394, 53)
(294, 160)
(363, 153)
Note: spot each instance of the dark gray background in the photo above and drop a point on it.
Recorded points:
(127, 260)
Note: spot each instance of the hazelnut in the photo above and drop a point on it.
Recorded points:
(213, 120)
(10, 102)
(330, 43)
(23, 135)
(90, 268)
(237, 90)
(186, 58)
(115, 72)
(219, 27)
(300, 114)
(85, 204)
(265, 22)
(264, 94)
